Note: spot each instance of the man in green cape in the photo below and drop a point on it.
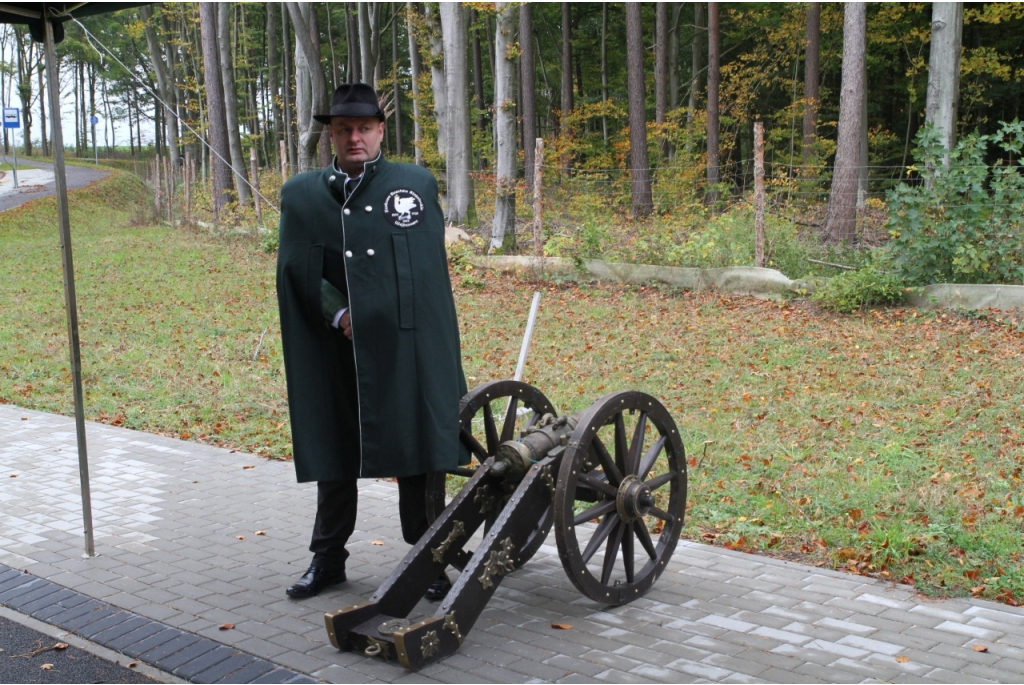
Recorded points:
(369, 332)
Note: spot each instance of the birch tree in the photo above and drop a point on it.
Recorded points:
(640, 173)
(461, 208)
(528, 86)
(504, 228)
(438, 80)
(310, 86)
(411, 16)
(841, 217)
(944, 70)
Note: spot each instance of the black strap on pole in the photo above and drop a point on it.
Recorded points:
(70, 301)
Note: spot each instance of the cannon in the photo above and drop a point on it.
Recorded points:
(611, 480)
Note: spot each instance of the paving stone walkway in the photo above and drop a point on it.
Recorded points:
(178, 550)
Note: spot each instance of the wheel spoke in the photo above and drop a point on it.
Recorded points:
(612, 552)
(610, 469)
(490, 430)
(652, 456)
(599, 536)
(657, 482)
(508, 428)
(595, 483)
(645, 539)
(627, 550)
(621, 448)
(599, 509)
(473, 444)
(661, 514)
(633, 457)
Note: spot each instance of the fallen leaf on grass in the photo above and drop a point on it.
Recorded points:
(979, 648)
(227, 626)
(60, 645)
(902, 659)
(261, 532)
(377, 542)
(561, 626)
(46, 667)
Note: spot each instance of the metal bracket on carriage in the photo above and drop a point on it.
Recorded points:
(558, 472)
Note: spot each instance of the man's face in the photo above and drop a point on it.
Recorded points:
(356, 141)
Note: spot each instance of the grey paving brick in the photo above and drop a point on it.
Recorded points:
(142, 643)
(141, 633)
(276, 676)
(21, 595)
(111, 620)
(941, 675)
(94, 612)
(118, 629)
(225, 670)
(159, 652)
(46, 601)
(189, 669)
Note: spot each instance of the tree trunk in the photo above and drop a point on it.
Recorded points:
(604, 70)
(354, 52)
(394, 71)
(164, 78)
(438, 80)
(215, 106)
(811, 76)
(643, 203)
(528, 86)
(714, 52)
(369, 41)
(273, 58)
(696, 64)
(286, 88)
(841, 218)
(312, 95)
(25, 91)
(673, 56)
(461, 208)
(227, 78)
(478, 84)
(414, 71)
(566, 99)
(42, 111)
(661, 69)
(504, 228)
(944, 70)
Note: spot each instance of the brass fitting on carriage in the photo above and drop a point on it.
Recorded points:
(515, 457)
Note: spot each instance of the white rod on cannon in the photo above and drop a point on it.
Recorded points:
(527, 336)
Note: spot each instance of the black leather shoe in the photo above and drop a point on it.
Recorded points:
(314, 580)
(438, 590)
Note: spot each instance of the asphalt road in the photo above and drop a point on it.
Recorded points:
(78, 177)
(24, 652)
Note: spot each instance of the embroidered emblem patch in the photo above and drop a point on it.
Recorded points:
(403, 208)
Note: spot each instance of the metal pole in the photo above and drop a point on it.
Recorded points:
(527, 336)
(15, 147)
(95, 155)
(70, 301)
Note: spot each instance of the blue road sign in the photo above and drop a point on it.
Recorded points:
(12, 117)
(94, 120)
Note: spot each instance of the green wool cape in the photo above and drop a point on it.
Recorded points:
(385, 403)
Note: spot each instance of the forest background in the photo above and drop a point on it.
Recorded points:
(887, 443)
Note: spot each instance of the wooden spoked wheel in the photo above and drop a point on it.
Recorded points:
(489, 415)
(622, 482)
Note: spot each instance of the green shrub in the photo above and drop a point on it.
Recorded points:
(854, 290)
(965, 223)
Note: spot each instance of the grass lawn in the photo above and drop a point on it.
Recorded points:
(889, 443)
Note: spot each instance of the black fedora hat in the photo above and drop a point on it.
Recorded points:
(353, 100)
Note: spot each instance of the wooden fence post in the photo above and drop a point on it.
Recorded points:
(187, 172)
(169, 176)
(254, 163)
(157, 199)
(538, 165)
(759, 194)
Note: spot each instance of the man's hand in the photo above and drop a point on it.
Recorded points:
(345, 324)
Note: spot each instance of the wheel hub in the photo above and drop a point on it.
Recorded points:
(634, 499)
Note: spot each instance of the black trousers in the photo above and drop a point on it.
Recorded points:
(336, 502)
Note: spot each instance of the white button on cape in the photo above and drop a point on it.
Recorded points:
(369, 208)
(348, 253)
(346, 211)
(370, 252)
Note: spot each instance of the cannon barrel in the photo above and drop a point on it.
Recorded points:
(515, 457)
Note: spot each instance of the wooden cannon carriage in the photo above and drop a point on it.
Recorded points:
(610, 480)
